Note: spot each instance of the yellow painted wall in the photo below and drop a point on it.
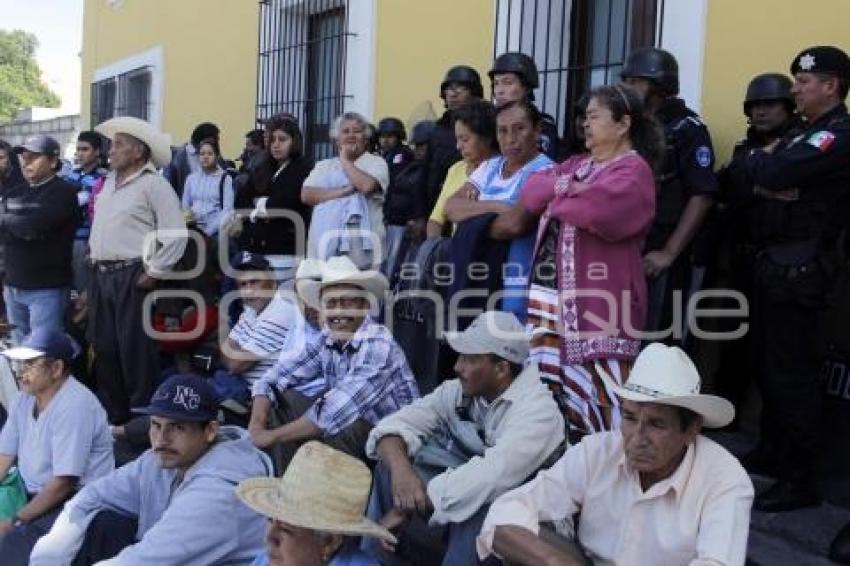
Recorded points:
(417, 41)
(209, 58)
(748, 37)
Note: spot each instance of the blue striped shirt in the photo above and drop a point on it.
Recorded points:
(278, 327)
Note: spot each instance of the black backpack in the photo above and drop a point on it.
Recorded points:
(415, 315)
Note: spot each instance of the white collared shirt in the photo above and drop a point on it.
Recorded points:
(700, 515)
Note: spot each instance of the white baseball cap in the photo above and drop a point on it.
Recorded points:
(492, 332)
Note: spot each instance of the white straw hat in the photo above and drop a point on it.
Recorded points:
(323, 489)
(308, 281)
(340, 270)
(158, 142)
(667, 376)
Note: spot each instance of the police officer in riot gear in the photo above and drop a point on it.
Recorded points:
(805, 179)
(391, 135)
(686, 186)
(460, 86)
(514, 77)
(737, 231)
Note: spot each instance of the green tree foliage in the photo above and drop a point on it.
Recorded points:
(20, 76)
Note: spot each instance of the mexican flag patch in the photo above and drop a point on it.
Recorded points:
(821, 140)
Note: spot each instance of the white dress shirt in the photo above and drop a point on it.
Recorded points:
(700, 515)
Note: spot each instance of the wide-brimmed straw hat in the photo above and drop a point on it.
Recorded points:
(323, 489)
(667, 376)
(308, 282)
(158, 142)
(340, 270)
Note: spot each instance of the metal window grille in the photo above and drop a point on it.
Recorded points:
(577, 44)
(301, 66)
(128, 94)
(134, 90)
(103, 100)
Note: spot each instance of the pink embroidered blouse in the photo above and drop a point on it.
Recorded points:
(605, 211)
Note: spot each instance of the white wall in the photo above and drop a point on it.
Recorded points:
(683, 25)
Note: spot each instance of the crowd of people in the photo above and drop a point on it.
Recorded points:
(468, 349)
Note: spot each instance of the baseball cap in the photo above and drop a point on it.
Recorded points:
(45, 342)
(40, 144)
(247, 261)
(492, 332)
(183, 397)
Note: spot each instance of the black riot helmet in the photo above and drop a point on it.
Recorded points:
(392, 127)
(518, 63)
(653, 64)
(769, 86)
(464, 75)
(422, 132)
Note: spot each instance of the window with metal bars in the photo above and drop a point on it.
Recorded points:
(301, 66)
(577, 44)
(128, 94)
(103, 100)
(134, 94)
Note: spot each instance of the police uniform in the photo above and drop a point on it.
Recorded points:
(688, 171)
(549, 142)
(733, 233)
(803, 187)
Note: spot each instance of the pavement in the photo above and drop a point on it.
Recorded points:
(796, 538)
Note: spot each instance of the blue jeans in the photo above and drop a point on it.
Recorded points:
(454, 541)
(29, 309)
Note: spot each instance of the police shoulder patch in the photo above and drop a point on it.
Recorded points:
(703, 155)
(822, 140)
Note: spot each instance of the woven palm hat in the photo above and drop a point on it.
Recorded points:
(308, 282)
(158, 142)
(340, 270)
(666, 375)
(323, 489)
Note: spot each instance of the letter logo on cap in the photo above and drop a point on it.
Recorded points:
(187, 398)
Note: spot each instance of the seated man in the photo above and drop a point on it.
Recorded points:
(654, 492)
(470, 441)
(58, 435)
(315, 510)
(356, 376)
(269, 324)
(175, 504)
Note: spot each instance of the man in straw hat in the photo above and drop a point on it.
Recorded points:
(175, 504)
(654, 492)
(356, 376)
(315, 510)
(470, 440)
(135, 204)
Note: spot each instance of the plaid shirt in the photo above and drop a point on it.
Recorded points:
(366, 378)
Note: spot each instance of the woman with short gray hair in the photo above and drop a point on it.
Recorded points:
(346, 194)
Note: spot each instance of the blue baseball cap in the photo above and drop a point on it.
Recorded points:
(45, 342)
(247, 261)
(40, 144)
(183, 397)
